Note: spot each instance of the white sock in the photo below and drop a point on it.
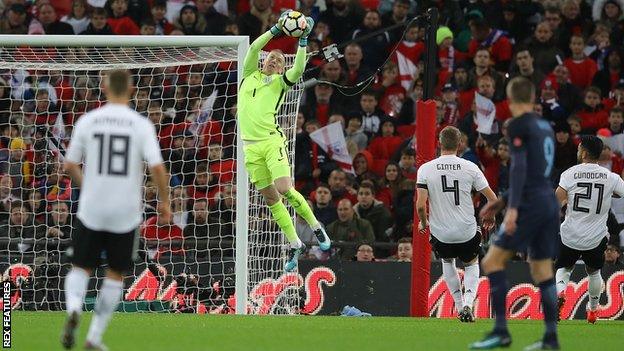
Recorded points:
(76, 283)
(296, 244)
(316, 226)
(449, 272)
(107, 301)
(471, 283)
(594, 290)
(562, 277)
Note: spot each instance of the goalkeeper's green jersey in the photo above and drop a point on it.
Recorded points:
(260, 95)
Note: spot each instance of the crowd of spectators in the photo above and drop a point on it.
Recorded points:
(571, 49)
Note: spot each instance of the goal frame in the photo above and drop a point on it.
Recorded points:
(241, 43)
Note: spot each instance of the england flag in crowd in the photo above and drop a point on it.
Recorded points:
(486, 115)
(331, 139)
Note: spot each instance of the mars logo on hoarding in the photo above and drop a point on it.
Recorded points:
(523, 300)
(264, 297)
(17, 273)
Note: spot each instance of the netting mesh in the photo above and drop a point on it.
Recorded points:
(190, 95)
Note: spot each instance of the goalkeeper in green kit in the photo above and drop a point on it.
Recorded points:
(266, 158)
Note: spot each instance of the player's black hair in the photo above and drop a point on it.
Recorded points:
(593, 145)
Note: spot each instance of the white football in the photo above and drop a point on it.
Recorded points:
(294, 24)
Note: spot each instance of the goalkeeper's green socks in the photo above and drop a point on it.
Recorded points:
(282, 217)
(299, 203)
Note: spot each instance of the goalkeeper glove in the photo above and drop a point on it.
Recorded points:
(277, 27)
(303, 39)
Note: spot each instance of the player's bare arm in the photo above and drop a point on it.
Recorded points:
(562, 196)
(421, 208)
(489, 220)
(75, 172)
(161, 178)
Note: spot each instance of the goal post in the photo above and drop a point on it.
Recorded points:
(255, 254)
(425, 135)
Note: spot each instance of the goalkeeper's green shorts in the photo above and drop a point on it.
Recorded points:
(266, 161)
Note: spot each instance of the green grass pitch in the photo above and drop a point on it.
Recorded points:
(138, 331)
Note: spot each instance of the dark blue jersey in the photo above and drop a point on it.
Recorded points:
(532, 146)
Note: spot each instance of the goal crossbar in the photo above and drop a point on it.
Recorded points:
(122, 40)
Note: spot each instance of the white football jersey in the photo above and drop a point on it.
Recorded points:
(449, 180)
(113, 142)
(590, 188)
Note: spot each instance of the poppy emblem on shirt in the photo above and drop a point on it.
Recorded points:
(517, 142)
(267, 80)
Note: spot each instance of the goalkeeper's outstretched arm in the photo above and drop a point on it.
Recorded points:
(250, 64)
(296, 71)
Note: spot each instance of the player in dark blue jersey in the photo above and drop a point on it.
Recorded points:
(532, 218)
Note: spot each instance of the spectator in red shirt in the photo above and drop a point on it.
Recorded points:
(494, 40)
(495, 163)
(486, 86)
(582, 68)
(363, 165)
(448, 55)
(120, 22)
(616, 120)
(616, 96)
(408, 163)
(44, 108)
(356, 71)
(384, 145)
(592, 113)
(391, 91)
(321, 104)
(611, 161)
(337, 182)
(204, 185)
(222, 168)
(390, 185)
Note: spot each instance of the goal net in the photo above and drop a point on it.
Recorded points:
(221, 254)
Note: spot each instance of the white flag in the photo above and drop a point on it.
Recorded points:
(331, 139)
(407, 70)
(486, 113)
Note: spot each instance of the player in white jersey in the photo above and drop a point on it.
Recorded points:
(587, 188)
(448, 182)
(113, 143)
